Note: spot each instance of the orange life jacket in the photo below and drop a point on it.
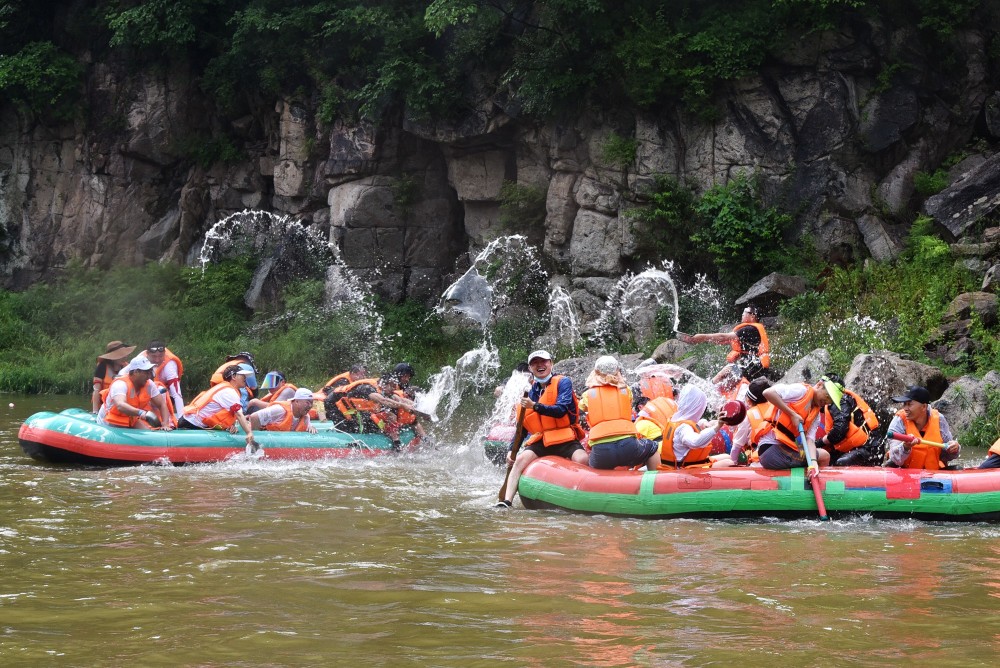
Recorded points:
(136, 399)
(763, 351)
(273, 395)
(784, 430)
(658, 411)
(758, 423)
(349, 405)
(286, 422)
(924, 456)
(694, 457)
(221, 419)
(549, 430)
(656, 386)
(995, 448)
(167, 400)
(857, 435)
(403, 416)
(346, 376)
(109, 376)
(609, 412)
(167, 357)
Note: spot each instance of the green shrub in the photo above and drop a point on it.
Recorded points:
(522, 207)
(928, 184)
(43, 80)
(984, 430)
(743, 236)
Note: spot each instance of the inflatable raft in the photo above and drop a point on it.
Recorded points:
(74, 437)
(553, 482)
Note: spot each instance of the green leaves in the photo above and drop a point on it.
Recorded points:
(42, 79)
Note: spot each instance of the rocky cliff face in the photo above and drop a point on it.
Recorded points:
(837, 129)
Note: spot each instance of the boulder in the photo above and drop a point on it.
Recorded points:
(991, 281)
(771, 290)
(983, 304)
(671, 351)
(966, 399)
(809, 369)
(972, 197)
(879, 242)
(882, 375)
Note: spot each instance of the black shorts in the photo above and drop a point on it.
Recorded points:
(564, 450)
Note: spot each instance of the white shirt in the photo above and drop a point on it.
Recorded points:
(790, 394)
(224, 400)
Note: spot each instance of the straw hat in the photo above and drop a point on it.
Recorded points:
(115, 351)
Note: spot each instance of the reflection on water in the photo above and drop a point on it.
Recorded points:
(404, 562)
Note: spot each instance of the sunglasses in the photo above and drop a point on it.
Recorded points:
(157, 349)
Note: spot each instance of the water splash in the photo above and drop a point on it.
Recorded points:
(564, 323)
(506, 273)
(474, 369)
(634, 302)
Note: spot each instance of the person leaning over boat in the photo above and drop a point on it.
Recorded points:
(369, 405)
(109, 365)
(751, 351)
(687, 439)
(168, 372)
(992, 460)
(551, 416)
(793, 405)
(130, 400)
(286, 415)
(219, 406)
(608, 404)
(849, 421)
(334, 385)
(749, 431)
(918, 419)
(277, 388)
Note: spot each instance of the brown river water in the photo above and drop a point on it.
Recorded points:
(404, 562)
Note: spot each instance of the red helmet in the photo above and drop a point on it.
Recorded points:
(732, 413)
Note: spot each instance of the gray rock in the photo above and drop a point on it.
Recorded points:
(966, 399)
(771, 290)
(809, 369)
(671, 351)
(983, 304)
(882, 375)
(974, 196)
(991, 281)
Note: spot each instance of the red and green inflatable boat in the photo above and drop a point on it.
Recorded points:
(74, 437)
(553, 482)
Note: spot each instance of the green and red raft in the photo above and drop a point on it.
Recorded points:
(553, 482)
(74, 437)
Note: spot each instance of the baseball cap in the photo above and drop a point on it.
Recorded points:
(303, 394)
(539, 354)
(139, 364)
(914, 393)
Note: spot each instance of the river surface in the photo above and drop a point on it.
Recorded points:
(404, 562)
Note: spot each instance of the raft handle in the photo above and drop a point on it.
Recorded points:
(936, 486)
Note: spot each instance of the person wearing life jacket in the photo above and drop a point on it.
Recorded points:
(790, 406)
(992, 460)
(748, 432)
(133, 401)
(219, 406)
(355, 373)
(109, 365)
(687, 439)
(653, 416)
(849, 422)
(369, 406)
(751, 350)
(613, 439)
(551, 418)
(169, 370)
(286, 414)
(918, 419)
(238, 358)
(273, 388)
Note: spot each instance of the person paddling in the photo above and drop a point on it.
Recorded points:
(921, 422)
(551, 416)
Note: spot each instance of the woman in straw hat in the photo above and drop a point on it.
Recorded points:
(109, 365)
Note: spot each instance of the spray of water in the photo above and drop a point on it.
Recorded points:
(634, 302)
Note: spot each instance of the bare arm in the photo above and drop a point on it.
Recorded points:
(722, 338)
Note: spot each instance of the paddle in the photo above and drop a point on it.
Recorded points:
(814, 478)
(518, 437)
(913, 440)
